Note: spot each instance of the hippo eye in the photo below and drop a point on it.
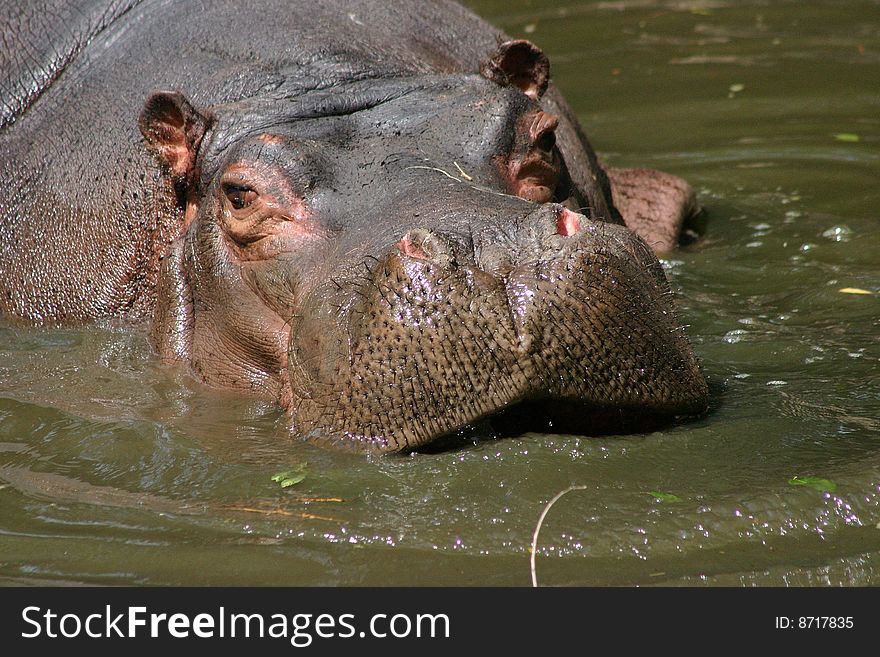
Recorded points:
(239, 196)
(547, 141)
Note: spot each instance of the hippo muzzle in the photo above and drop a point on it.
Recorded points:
(444, 329)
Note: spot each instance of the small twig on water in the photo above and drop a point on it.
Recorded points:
(543, 515)
(280, 512)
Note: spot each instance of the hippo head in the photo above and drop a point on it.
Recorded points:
(394, 260)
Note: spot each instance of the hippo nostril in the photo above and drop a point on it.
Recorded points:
(425, 245)
(412, 249)
(568, 223)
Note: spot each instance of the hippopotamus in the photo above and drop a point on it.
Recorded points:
(382, 216)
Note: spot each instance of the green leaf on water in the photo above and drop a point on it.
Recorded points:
(846, 136)
(290, 477)
(821, 485)
(663, 497)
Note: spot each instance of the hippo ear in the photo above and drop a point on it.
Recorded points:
(520, 63)
(173, 128)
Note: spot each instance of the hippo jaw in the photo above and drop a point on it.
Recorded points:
(433, 341)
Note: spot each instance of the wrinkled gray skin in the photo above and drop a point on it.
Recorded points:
(329, 214)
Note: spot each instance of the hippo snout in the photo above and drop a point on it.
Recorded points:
(447, 329)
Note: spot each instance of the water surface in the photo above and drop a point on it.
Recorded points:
(115, 470)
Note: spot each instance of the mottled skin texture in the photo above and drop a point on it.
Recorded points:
(394, 227)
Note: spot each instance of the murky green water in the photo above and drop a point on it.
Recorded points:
(113, 470)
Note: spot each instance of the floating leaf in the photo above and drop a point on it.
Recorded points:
(290, 477)
(846, 136)
(854, 290)
(736, 88)
(663, 497)
(821, 485)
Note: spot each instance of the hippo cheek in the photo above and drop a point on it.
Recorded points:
(318, 357)
(406, 369)
(602, 336)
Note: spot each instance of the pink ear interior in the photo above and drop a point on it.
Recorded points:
(173, 128)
